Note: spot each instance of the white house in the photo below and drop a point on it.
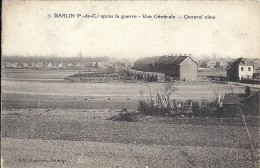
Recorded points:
(240, 69)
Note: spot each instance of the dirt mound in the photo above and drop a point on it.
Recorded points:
(129, 117)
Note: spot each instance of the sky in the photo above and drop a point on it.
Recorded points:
(27, 30)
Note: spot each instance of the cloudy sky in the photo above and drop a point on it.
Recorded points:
(27, 30)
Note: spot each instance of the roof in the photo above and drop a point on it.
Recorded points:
(179, 60)
(164, 60)
(232, 98)
(147, 60)
(253, 95)
(242, 61)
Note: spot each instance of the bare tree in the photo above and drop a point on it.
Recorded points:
(159, 104)
(163, 98)
(151, 96)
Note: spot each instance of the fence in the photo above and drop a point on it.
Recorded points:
(250, 81)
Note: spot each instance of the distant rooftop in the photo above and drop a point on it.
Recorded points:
(163, 60)
(243, 61)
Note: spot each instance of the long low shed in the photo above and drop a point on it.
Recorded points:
(180, 67)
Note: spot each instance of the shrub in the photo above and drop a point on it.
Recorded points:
(145, 108)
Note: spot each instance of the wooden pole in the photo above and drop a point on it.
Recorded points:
(249, 139)
(38, 104)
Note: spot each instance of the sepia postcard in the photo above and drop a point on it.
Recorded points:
(130, 84)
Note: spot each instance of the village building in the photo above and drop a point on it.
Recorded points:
(102, 64)
(247, 102)
(79, 65)
(32, 64)
(217, 66)
(49, 65)
(15, 65)
(20, 65)
(240, 69)
(8, 65)
(256, 64)
(203, 64)
(211, 64)
(25, 65)
(69, 64)
(119, 66)
(39, 65)
(178, 67)
(225, 64)
(61, 65)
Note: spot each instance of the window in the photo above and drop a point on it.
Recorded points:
(242, 68)
(249, 68)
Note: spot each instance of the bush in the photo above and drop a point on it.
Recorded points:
(145, 108)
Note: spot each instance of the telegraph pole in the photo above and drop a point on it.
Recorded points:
(80, 60)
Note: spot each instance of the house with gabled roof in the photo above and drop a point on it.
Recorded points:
(179, 67)
(241, 68)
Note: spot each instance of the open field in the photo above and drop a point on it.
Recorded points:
(93, 141)
(24, 153)
(36, 74)
(26, 88)
(28, 101)
(27, 94)
(47, 122)
(60, 74)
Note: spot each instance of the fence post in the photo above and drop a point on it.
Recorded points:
(38, 104)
